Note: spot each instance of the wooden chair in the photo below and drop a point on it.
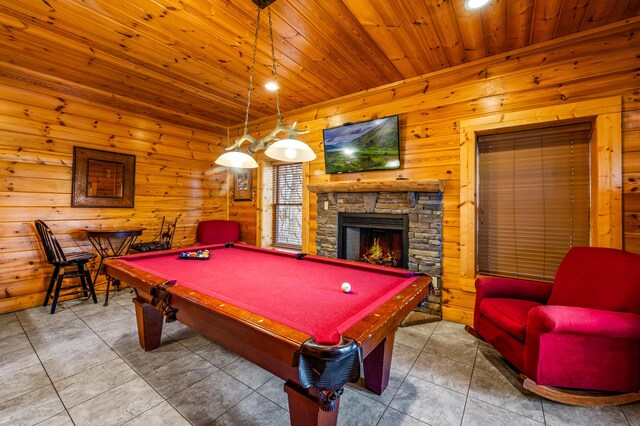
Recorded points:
(62, 262)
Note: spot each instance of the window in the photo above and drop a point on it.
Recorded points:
(533, 200)
(287, 206)
(605, 162)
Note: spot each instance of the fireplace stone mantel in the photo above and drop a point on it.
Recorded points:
(371, 189)
(399, 185)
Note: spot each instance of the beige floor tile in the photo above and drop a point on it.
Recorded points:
(161, 414)
(31, 408)
(254, 410)
(116, 406)
(172, 377)
(356, 409)
(247, 372)
(415, 336)
(403, 357)
(393, 417)
(443, 371)
(17, 360)
(428, 402)
(478, 413)
(80, 360)
(559, 414)
(80, 387)
(455, 349)
(23, 381)
(210, 398)
(505, 392)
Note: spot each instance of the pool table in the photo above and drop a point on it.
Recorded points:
(285, 312)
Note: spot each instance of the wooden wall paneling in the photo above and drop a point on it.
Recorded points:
(38, 130)
(540, 78)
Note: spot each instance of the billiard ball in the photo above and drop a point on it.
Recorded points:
(346, 287)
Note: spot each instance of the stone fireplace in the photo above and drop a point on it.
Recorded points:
(376, 238)
(384, 208)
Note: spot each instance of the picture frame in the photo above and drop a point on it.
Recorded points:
(102, 179)
(242, 184)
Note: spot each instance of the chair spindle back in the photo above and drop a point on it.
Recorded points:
(51, 246)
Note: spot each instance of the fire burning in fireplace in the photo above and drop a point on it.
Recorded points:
(378, 256)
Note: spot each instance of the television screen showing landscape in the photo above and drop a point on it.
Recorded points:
(370, 145)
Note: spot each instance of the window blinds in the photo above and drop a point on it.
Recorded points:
(287, 207)
(533, 200)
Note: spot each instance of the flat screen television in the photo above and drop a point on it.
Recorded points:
(358, 147)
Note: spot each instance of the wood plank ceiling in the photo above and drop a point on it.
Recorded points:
(187, 61)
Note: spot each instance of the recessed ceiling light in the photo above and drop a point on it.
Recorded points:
(271, 85)
(475, 4)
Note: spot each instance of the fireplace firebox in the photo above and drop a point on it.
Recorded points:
(380, 239)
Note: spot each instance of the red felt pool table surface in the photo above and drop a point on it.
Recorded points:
(303, 294)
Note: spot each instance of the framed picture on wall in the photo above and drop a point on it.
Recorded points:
(242, 184)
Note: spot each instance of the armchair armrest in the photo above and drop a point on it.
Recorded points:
(512, 288)
(587, 321)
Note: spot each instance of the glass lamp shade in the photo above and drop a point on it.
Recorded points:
(237, 160)
(290, 150)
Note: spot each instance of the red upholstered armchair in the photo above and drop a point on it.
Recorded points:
(582, 331)
(217, 232)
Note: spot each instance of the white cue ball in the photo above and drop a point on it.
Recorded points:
(346, 287)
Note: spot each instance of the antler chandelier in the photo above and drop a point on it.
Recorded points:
(289, 149)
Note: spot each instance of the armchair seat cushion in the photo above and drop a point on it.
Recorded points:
(508, 314)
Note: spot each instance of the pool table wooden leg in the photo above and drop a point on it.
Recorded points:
(304, 409)
(377, 365)
(149, 321)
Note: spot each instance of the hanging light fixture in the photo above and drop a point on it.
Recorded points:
(290, 149)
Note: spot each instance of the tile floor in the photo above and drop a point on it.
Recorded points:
(84, 366)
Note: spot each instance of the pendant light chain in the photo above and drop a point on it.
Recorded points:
(273, 61)
(253, 65)
(287, 150)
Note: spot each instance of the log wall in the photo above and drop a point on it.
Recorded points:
(590, 65)
(38, 130)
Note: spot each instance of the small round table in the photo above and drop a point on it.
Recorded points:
(111, 243)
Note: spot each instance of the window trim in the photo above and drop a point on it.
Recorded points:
(605, 163)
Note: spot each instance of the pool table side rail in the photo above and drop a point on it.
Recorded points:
(270, 345)
(373, 328)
